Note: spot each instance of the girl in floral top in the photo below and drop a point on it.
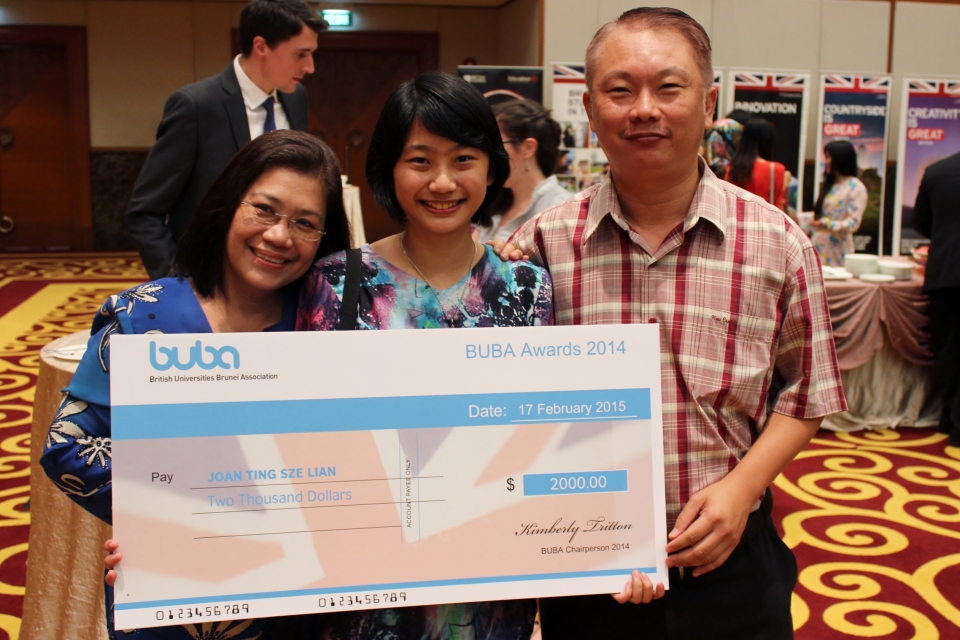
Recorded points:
(841, 204)
(436, 164)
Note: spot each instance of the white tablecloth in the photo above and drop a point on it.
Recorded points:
(887, 392)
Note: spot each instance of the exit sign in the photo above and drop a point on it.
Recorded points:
(338, 17)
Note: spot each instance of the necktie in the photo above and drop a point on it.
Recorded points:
(270, 124)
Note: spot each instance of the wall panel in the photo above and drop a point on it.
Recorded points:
(854, 36)
(699, 10)
(50, 12)
(212, 28)
(139, 52)
(467, 33)
(518, 33)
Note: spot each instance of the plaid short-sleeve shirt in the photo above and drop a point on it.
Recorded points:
(737, 291)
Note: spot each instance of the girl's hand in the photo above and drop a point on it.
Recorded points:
(111, 561)
(639, 589)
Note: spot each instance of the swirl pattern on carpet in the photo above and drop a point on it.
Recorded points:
(42, 297)
(874, 520)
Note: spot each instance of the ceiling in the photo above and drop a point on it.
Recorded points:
(330, 4)
(447, 3)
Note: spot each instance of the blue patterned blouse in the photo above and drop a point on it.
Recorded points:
(77, 452)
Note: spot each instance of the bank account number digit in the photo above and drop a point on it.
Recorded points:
(186, 613)
(390, 597)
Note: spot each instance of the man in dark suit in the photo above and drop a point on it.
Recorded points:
(937, 216)
(206, 122)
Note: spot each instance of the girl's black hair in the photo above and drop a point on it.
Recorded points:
(843, 162)
(755, 141)
(449, 107)
(522, 119)
(203, 247)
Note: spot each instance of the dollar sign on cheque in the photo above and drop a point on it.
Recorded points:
(510, 486)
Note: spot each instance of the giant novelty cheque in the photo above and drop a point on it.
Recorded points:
(270, 474)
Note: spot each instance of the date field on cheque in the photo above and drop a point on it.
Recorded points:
(552, 484)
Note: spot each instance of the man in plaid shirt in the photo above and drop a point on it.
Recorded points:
(747, 361)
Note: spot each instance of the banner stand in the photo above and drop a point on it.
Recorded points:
(781, 98)
(855, 108)
(929, 132)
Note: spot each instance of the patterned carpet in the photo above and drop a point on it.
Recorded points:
(42, 297)
(874, 518)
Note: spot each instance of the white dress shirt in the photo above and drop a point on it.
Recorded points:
(253, 97)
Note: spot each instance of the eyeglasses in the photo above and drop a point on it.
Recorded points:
(301, 228)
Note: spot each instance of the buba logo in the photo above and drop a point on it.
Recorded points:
(195, 358)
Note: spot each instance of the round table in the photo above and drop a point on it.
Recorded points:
(64, 592)
(883, 345)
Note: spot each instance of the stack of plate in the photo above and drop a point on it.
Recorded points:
(899, 269)
(877, 278)
(836, 273)
(860, 263)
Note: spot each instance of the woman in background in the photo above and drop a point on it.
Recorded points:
(840, 206)
(532, 139)
(274, 210)
(753, 167)
(436, 164)
(721, 139)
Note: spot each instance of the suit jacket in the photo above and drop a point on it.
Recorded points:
(203, 125)
(937, 216)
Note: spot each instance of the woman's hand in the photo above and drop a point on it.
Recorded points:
(111, 561)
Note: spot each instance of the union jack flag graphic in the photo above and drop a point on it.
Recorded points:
(568, 73)
(934, 87)
(770, 81)
(857, 84)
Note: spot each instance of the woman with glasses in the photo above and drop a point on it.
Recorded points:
(436, 164)
(532, 140)
(275, 209)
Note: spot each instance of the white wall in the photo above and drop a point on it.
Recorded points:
(811, 36)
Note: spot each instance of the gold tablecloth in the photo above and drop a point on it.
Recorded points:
(64, 592)
(883, 344)
(864, 314)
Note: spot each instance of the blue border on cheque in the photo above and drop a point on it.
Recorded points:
(378, 587)
(162, 421)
